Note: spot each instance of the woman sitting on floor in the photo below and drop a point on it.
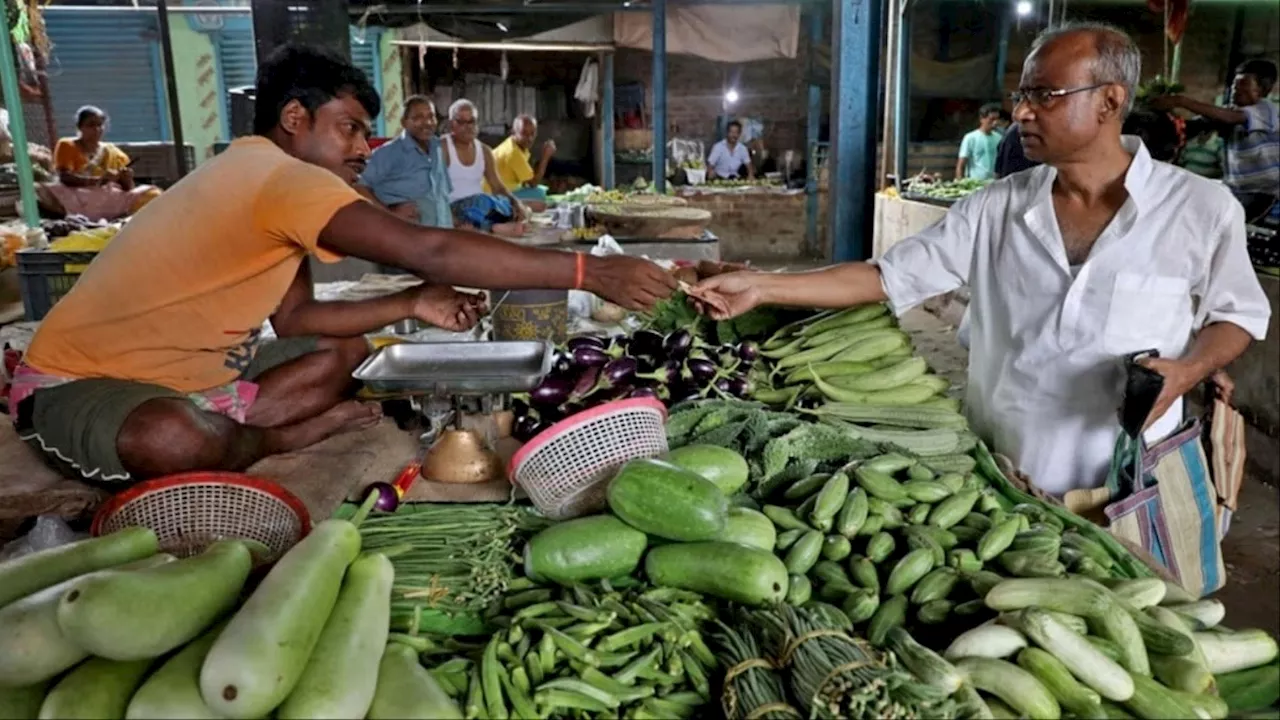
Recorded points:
(94, 177)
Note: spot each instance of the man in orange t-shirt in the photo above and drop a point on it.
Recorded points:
(152, 364)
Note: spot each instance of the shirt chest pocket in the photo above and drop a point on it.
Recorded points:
(1147, 311)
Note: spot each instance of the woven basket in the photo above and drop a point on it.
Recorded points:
(669, 223)
(633, 139)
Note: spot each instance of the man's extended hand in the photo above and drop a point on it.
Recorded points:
(729, 295)
(1165, 103)
(446, 308)
(548, 148)
(633, 283)
(1180, 377)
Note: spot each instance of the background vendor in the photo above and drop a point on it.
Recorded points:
(730, 159)
(478, 197)
(94, 177)
(511, 160)
(408, 174)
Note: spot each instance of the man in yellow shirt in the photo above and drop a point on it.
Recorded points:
(512, 158)
(152, 364)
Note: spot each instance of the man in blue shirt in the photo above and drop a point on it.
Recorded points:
(978, 149)
(408, 174)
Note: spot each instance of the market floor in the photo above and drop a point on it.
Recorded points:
(1251, 550)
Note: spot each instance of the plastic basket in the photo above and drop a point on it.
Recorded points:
(566, 468)
(44, 277)
(188, 512)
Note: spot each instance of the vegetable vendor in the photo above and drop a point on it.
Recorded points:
(1097, 253)
(407, 175)
(154, 363)
(1253, 145)
(730, 159)
(511, 160)
(95, 178)
(472, 168)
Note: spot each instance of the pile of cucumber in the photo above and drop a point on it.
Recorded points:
(856, 369)
(1121, 648)
(112, 628)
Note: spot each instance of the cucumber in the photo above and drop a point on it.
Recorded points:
(880, 547)
(1252, 689)
(733, 572)
(98, 689)
(24, 575)
(1076, 698)
(937, 585)
(1015, 686)
(21, 703)
(860, 605)
(33, 648)
(864, 573)
(801, 489)
(259, 657)
(405, 690)
(804, 553)
(586, 548)
(341, 676)
(952, 510)
(830, 499)
(853, 513)
(910, 569)
(923, 662)
(786, 539)
(799, 590)
(889, 615)
(139, 614)
(662, 499)
(746, 527)
(725, 468)
(997, 539)
(934, 612)
(173, 691)
(879, 484)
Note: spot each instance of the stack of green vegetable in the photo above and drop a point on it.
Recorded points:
(1085, 648)
(451, 561)
(947, 190)
(583, 652)
(109, 628)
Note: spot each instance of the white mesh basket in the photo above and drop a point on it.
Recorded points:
(566, 468)
(191, 511)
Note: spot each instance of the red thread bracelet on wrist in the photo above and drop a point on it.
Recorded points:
(580, 273)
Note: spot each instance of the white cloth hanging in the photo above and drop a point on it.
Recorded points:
(588, 90)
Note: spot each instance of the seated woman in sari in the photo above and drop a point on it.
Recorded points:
(94, 177)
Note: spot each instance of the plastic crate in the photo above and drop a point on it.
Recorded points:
(44, 277)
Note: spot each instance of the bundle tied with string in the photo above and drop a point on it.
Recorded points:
(834, 675)
(753, 688)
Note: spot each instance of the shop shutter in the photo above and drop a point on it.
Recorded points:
(111, 60)
(238, 58)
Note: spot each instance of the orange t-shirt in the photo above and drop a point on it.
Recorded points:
(179, 296)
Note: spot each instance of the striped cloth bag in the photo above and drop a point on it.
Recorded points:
(1165, 501)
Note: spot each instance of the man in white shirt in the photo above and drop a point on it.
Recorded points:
(1097, 253)
(729, 158)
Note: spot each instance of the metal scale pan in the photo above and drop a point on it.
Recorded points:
(456, 368)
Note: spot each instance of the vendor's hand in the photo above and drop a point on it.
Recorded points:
(548, 148)
(446, 308)
(1179, 379)
(729, 295)
(1226, 387)
(633, 283)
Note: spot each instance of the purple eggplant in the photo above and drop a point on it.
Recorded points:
(586, 383)
(739, 387)
(585, 341)
(562, 365)
(620, 370)
(678, 344)
(748, 351)
(643, 392)
(703, 371)
(681, 391)
(552, 391)
(572, 408)
(722, 386)
(588, 356)
(388, 499)
(519, 407)
(525, 427)
(646, 343)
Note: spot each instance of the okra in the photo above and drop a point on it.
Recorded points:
(630, 636)
(572, 648)
(491, 677)
(528, 597)
(553, 699)
(634, 669)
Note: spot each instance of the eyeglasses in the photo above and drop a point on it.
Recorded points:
(1039, 97)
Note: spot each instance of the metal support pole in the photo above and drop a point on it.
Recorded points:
(18, 130)
(811, 134)
(171, 83)
(607, 119)
(902, 95)
(1002, 49)
(855, 84)
(660, 96)
(1175, 65)
(887, 152)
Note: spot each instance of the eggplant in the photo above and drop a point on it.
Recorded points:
(646, 343)
(739, 387)
(585, 341)
(680, 391)
(568, 409)
(585, 385)
(388, 499)
(748, 351)
(620, 370)
(562, 364)
(678, 344)
(722, 386)
(525, 427)
(643, 392)
(703, 371)
(588, 356)
(519, 407)
(552, 391)
(620, 341)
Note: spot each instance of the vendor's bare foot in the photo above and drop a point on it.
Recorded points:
(512, 229)
(345, 417)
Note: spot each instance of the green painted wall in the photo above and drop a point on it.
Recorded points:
(196, 70)
(392, 83)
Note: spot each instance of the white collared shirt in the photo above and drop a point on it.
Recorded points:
(725, 161)
(1045, 372)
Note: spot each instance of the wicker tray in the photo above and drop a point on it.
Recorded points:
(665, 223)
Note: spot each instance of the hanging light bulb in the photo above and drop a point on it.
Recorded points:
(731, 96)
(1023, 8)
(504, 66)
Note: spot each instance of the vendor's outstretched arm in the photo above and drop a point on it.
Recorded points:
(837, 286)
(457, 257)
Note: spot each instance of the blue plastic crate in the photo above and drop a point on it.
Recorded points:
(44, 277)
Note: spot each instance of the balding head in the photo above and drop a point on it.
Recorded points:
(524, 130)
(1115, 57)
